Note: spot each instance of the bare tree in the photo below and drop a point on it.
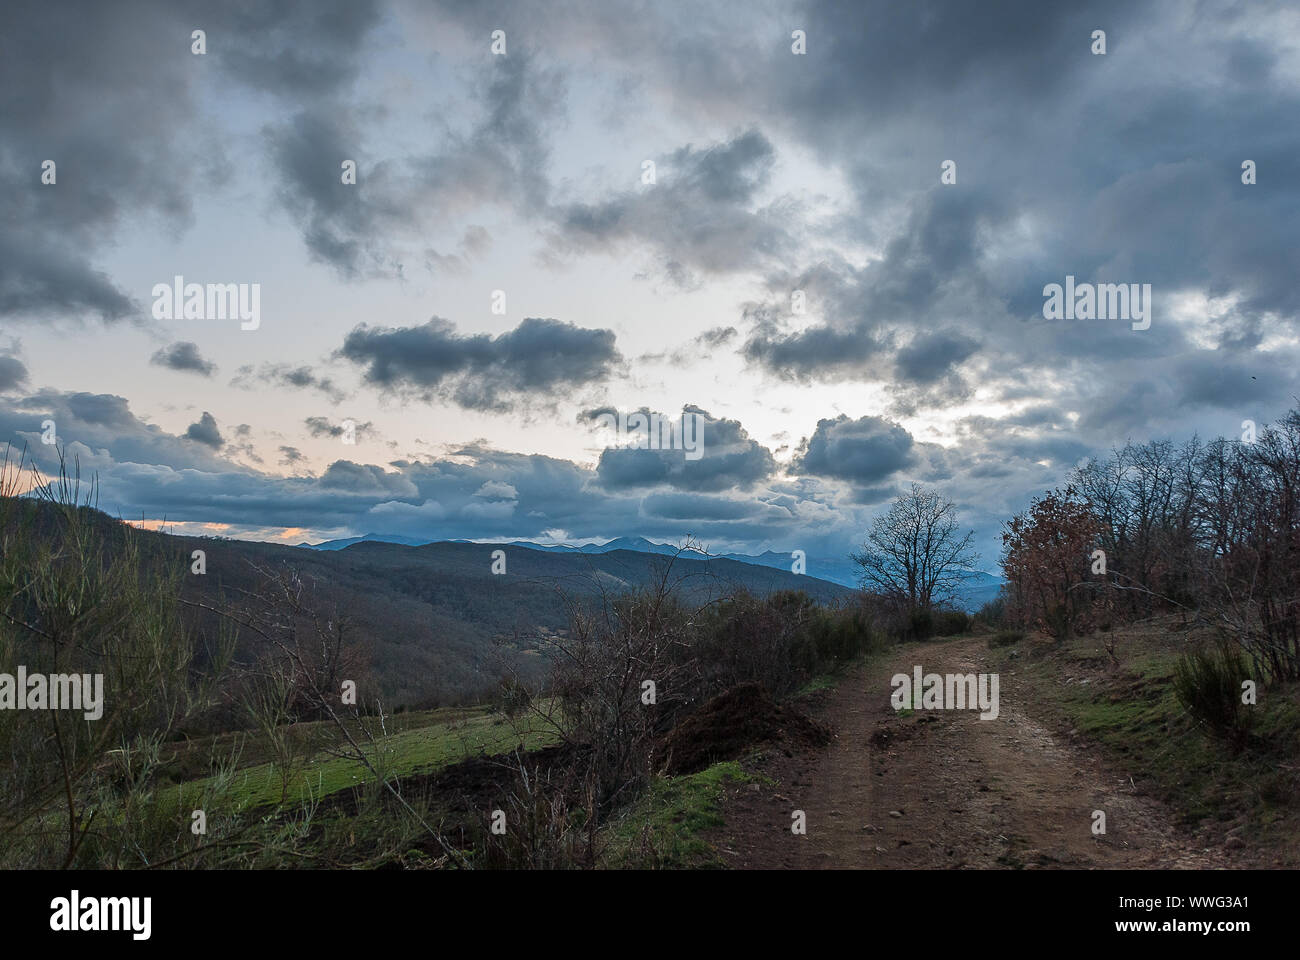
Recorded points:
(915, 552)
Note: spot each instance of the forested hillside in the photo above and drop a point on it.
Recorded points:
(434, 624)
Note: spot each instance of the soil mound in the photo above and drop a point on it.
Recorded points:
(725, 727)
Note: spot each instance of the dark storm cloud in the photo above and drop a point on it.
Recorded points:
(929, 268)
(72, 91)
(128, 142)
(539, 358)
(698, 217)
(512, 143)
(819, 352)
(366, 479)
(1242, 382)
(863, 451)
(335, 218)
(1014, 95)
(367, 228)
(183, 356)
(728, 457)
(1230, 387)
(904, 52)
(292, 48)
(13, 374)
(205, 431)
(927, 358)
(100, 428)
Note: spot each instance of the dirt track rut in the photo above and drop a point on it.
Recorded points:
(943, 788)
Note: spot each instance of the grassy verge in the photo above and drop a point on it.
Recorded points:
(1131, 712)
(664, 827)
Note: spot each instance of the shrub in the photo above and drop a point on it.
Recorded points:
(1006, 638)
(778, 642)
(840, 635)
(513, 697)
(918, 624)
(1208, 681)
(950, 622)
(993, 612)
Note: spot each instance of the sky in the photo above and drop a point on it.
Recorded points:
(823, 229)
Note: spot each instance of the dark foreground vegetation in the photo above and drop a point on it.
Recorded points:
(1209, 531)
(1165, 580)
(240, 726)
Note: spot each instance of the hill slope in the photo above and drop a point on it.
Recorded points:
(437, 625)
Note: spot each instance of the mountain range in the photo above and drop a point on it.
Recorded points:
(977, 589)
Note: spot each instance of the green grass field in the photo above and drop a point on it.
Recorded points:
(321, 761)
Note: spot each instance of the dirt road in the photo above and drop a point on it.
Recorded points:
(943, 788)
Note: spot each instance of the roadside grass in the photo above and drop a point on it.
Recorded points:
(664, 827)
(819, 684)
(1133, 714)
(829, 680)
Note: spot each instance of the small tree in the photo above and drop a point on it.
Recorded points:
(916, 553)
(1047, 560)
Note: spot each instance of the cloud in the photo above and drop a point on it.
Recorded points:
(728, 457)
(183, 356)
(242, 445)
(482, 372)
(13, 373)
(678, 506)
(863, 451)
(322, 427)
(700, 216)
(283, 375)
(775, 173)
(931, 356)
(815, 353)
(205, 431)
(366, 479)
(271, 55)
(474, 491)
(496, 490)
(292, 456)
(699, 347)
(130, 145)
(717, 336)
(369, 229)
(90, 424)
